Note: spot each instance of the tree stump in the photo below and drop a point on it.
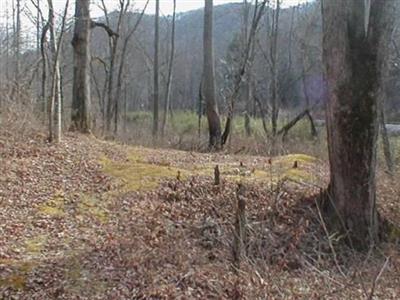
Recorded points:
(240, 227)
(217, 173)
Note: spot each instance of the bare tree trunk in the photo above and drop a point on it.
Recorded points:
(155, 78)
(240, 234)
(18, 50)
(125, 110)
(54, 85)
(112, 102)
(7, 45)
(313, 130)
(80, 112)
(354, 41)
(244, 68)
(57, 102)
(274, 70)
(55, 96)
(247, 83)
(38, 52)
(214, 123)
(110, 85)
(170, 71)
(44, 70)
(122, 63)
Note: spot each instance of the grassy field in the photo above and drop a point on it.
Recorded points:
(182, 133)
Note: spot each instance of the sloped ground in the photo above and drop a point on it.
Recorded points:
(89, 219)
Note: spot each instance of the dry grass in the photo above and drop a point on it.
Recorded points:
(74, 225)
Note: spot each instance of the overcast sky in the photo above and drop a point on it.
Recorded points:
(166, 5)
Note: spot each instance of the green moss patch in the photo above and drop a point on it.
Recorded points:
(17, 278)
(138, 175)
(36, 244)
(290, 159)
(54, 207)
(93, 207)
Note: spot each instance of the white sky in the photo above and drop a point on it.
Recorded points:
(166, 6)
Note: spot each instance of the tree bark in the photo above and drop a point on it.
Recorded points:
(170, 70)
(247, 83)
(55, 96)
(354, 41)
(18, 50)
(214, 123)
(54, 83)
(44, 70)
(155, 78)
(274, 70)
(80, 114)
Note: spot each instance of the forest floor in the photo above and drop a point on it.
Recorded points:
(90, 219)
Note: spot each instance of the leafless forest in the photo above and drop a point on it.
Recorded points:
(178, 149)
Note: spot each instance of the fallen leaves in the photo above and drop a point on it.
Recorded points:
(75, 225)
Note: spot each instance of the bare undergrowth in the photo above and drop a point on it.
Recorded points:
(70, 229)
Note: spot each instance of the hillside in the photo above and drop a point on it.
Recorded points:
(91, 219)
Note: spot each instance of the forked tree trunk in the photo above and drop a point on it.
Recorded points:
(354, 40)
(81, 81)
(214, 123)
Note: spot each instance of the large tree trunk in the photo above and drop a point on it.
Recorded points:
(214, 123)
(81, 81)
(155, 78)
(353, 43)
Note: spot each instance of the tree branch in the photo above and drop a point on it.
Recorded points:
(109, 31)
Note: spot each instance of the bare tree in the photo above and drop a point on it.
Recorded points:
(247, 91)
(112, 102)
(80, 112)
(122, 61)
(17, 44)
(214, 123)
(246, 61)
(355, 36)
(170, 72)
(274, 69)
(55, 93)
(155, 71)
